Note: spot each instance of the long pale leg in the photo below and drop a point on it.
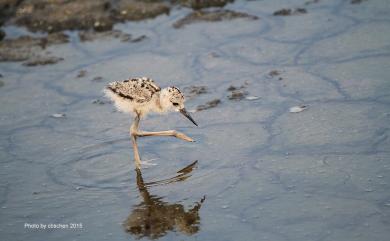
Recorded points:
(164, 133)
(133, 131)
(137, 158)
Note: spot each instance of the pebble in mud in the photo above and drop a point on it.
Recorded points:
(138, 39)
(233, 88)
(208, 105)
(98, 102)
(198, 4)
(290, 12)
(211, 16)
(193, 91)
(87, 36)
(357, 1)
(97, 79)
(274, 73)
(81, 74)
(312, 2)
(237, 93)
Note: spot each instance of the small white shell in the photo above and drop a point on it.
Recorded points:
(297, 109)
(252, 98)
(58, 115)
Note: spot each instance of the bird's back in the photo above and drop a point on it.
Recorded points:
(138, 90)
(133, 95)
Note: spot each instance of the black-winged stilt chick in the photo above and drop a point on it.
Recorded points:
(140, 96)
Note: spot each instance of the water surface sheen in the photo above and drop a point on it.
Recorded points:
(255, 172)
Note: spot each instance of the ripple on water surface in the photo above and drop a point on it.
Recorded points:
(109, 165)
(104, 165)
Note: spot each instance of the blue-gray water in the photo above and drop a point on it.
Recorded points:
(265, 173)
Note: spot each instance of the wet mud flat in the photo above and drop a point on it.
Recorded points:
(293, 108)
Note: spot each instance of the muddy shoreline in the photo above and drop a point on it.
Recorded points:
(94, 19)
(100, 15)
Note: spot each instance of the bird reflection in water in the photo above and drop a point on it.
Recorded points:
(153, 217)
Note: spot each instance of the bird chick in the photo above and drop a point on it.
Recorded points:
(141, 96)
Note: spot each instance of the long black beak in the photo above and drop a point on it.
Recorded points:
(185, 113)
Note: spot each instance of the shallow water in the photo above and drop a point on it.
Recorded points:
(262, 173)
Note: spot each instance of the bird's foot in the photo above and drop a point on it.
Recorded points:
(183, 136)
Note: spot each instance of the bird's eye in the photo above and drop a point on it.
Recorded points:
(175, 104)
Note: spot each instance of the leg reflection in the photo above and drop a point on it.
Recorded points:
(153, 217)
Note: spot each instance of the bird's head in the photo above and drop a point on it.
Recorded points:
(171, 98)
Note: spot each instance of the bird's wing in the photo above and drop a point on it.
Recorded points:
(137, 89)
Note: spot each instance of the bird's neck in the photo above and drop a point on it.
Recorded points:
(163, 101)
(158, 104)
